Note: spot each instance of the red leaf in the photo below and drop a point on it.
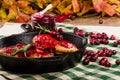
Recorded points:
(99, 4)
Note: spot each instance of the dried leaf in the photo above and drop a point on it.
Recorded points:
(98, 5)
(76, 6)
(85, 8)
(114, 1)
(22, 3)
(109, 9)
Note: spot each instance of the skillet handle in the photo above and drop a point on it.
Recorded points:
(27, 27)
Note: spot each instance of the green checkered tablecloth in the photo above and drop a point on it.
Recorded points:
(93, 71)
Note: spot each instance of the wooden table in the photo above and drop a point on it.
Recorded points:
(92, 21)
(95, 21)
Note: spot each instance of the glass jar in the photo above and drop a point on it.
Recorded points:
(44, 20)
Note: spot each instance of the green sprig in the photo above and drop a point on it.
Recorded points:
(24, 49)
(42, 29)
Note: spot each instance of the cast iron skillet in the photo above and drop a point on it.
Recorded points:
(41, 65)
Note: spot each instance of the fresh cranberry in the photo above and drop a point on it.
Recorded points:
(117, 62)
(81, 33)
(93, 36)
(85, 61)
(103, 61)
(115, 44)
(98, 35)
(97, 41)
(104, 48)
(60, 30)
(88, 53)
(114, 52)
(92, 41)
(88, 57)
(106, 42)
(87, 34)
(72, 17)
(104, 36)
(109, 54)
(118, 41)
(59, 37)
(103, 41)
(112, 37)
(91, 33)
(53, 33)
(76, 31)
(99, 52)
(103, 54)
(94, 57)
(100, 21)
(107, 64)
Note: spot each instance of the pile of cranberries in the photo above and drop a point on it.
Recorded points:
(101, 55)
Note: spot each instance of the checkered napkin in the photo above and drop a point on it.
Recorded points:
(93, 71)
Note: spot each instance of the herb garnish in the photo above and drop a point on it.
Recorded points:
(24, 49)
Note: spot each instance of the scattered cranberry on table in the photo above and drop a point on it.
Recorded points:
(104, 53)
(118, 62)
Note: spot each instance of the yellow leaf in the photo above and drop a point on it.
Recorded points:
(62, 5)
(12, 13)
(3, 14)
(76, 6)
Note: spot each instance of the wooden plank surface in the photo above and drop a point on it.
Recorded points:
(92, 21)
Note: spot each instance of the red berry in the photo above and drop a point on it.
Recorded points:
(100, 21)
(117, 62)
(85, 61)
(87, 34)
(103, 61)
(94, 57)
(103, 54)
(112, 37)
(107, 64)
(99, 52)
(72, 17)
(106, 42)
(98, 35)
(97, 41)
(118, 41)
(53, 33)
(115, 44)
(104, 36)
(76, 31)
(60, 30)
(92, 41)
(81, 33)
(114, 52)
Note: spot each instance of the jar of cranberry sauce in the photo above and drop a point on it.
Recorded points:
(44, 20)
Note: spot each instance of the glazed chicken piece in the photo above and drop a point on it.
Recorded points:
(62, 46)
(31, 52)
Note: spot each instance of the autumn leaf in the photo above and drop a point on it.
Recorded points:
(62, 5)
(22, 3)
(85, 8)
(109, 9)
(76, 6)
(3, 15)
(98, 5)
(114, 1)
(41, 3)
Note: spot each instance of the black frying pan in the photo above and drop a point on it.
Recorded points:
(40, 65)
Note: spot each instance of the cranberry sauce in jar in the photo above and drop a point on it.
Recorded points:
(45, 20)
